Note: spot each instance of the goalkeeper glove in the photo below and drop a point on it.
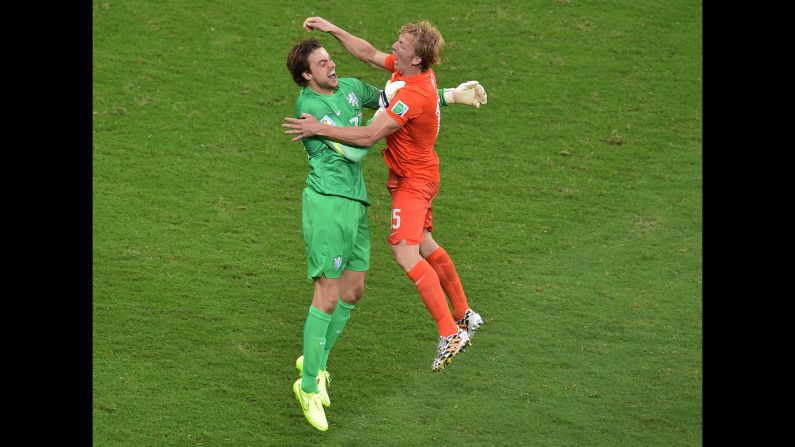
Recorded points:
(470, 92)
(387, 94)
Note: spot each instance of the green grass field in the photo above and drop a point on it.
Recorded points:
(571, 205)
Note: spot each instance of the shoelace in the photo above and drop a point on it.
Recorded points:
(453, 346)
(448, 344)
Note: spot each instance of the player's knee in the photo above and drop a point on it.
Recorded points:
(326, 293)
(398, 256)
(353, 295)
(405, 257)
(427, 250)
(405, 264)
(428, 245)
(326, 306)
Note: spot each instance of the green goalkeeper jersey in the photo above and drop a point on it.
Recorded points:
(329, 172)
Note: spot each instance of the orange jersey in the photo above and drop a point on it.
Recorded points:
(409, 151)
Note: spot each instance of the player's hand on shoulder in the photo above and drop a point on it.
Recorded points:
(391, 89)
(387, 94)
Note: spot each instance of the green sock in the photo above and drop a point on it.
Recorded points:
(339, 319)
(315, 328)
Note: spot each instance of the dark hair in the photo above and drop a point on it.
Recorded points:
(298, 59)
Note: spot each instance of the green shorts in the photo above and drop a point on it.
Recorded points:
(336, 234)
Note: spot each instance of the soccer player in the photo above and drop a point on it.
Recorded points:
(411, 125)
(334, 214)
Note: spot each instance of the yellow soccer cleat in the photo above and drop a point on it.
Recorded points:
(323, 381)
(311, 406)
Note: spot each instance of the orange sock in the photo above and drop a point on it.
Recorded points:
(448, 278)
(427, 283)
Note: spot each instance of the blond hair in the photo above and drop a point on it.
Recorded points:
(428, 42)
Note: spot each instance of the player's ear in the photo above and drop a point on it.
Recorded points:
(416, 60)
(307, 75)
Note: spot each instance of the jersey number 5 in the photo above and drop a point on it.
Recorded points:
(395, 219)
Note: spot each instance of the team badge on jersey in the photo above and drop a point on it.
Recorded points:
(327, 121)
(338, 262)
(353, 99)
(400, 109)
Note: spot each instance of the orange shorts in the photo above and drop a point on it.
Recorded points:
(411, 212)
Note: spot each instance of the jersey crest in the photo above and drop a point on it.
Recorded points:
(353, 99)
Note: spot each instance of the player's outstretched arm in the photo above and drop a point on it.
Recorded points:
(358, 47)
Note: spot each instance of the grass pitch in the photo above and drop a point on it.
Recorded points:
(571, 205)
